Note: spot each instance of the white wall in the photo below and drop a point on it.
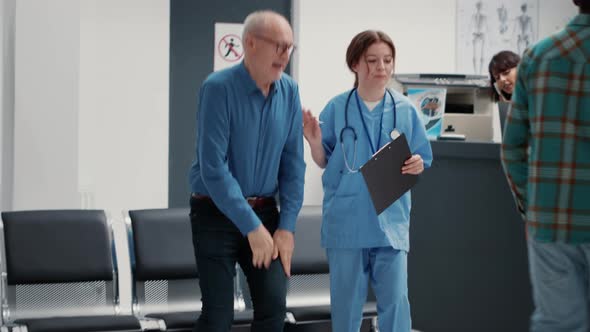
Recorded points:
(91, 123)
(554, 15)
(123, 120)
(423, 32)
(46, 104)
(7, 31)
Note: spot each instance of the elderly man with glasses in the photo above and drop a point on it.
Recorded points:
(249, 148)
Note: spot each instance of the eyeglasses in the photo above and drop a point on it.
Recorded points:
(281, 48)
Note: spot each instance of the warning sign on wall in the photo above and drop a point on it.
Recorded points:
(228, 48)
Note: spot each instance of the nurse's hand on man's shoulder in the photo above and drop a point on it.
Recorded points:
(262, 246)
(414, 165)
(284, 243)
(311, 128)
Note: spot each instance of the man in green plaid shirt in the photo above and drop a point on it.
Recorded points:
(546, 157)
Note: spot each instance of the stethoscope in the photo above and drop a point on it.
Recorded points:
(394, 133)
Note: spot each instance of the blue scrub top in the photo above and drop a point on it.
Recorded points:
(349, 218)
(249, 145)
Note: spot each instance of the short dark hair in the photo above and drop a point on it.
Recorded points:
(501, 62)
(584, 5)
(359, 45)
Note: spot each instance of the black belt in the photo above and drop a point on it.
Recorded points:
(254, 202)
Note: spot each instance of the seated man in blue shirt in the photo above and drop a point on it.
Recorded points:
(249, 147)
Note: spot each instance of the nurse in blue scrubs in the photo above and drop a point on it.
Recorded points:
(362, 246)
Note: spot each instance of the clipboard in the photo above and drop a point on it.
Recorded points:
(383, 176)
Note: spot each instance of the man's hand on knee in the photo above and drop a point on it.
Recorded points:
(261, 244)
(284, 242)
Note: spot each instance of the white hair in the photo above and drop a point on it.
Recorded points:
(257, 21)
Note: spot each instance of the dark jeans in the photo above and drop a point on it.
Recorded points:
(218, 246)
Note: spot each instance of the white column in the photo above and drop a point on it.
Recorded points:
(7, 30)
(91, 123)
(123, 119)
(46, 104)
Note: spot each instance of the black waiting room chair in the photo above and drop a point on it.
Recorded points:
(58, 273)
(164, 270)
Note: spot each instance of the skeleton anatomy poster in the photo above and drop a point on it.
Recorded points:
(487, 27)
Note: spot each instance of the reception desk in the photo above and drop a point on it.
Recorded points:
(467, 265)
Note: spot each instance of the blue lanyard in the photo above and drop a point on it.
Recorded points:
(358, 104)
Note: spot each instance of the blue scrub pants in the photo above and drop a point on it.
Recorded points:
(561, 286)
(350, 272)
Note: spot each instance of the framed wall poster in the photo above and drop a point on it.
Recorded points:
(430, 103)
(485, 28)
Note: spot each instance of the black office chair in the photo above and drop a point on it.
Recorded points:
(165, 273)
(58, 273)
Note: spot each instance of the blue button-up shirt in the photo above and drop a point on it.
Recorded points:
(249, 145)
